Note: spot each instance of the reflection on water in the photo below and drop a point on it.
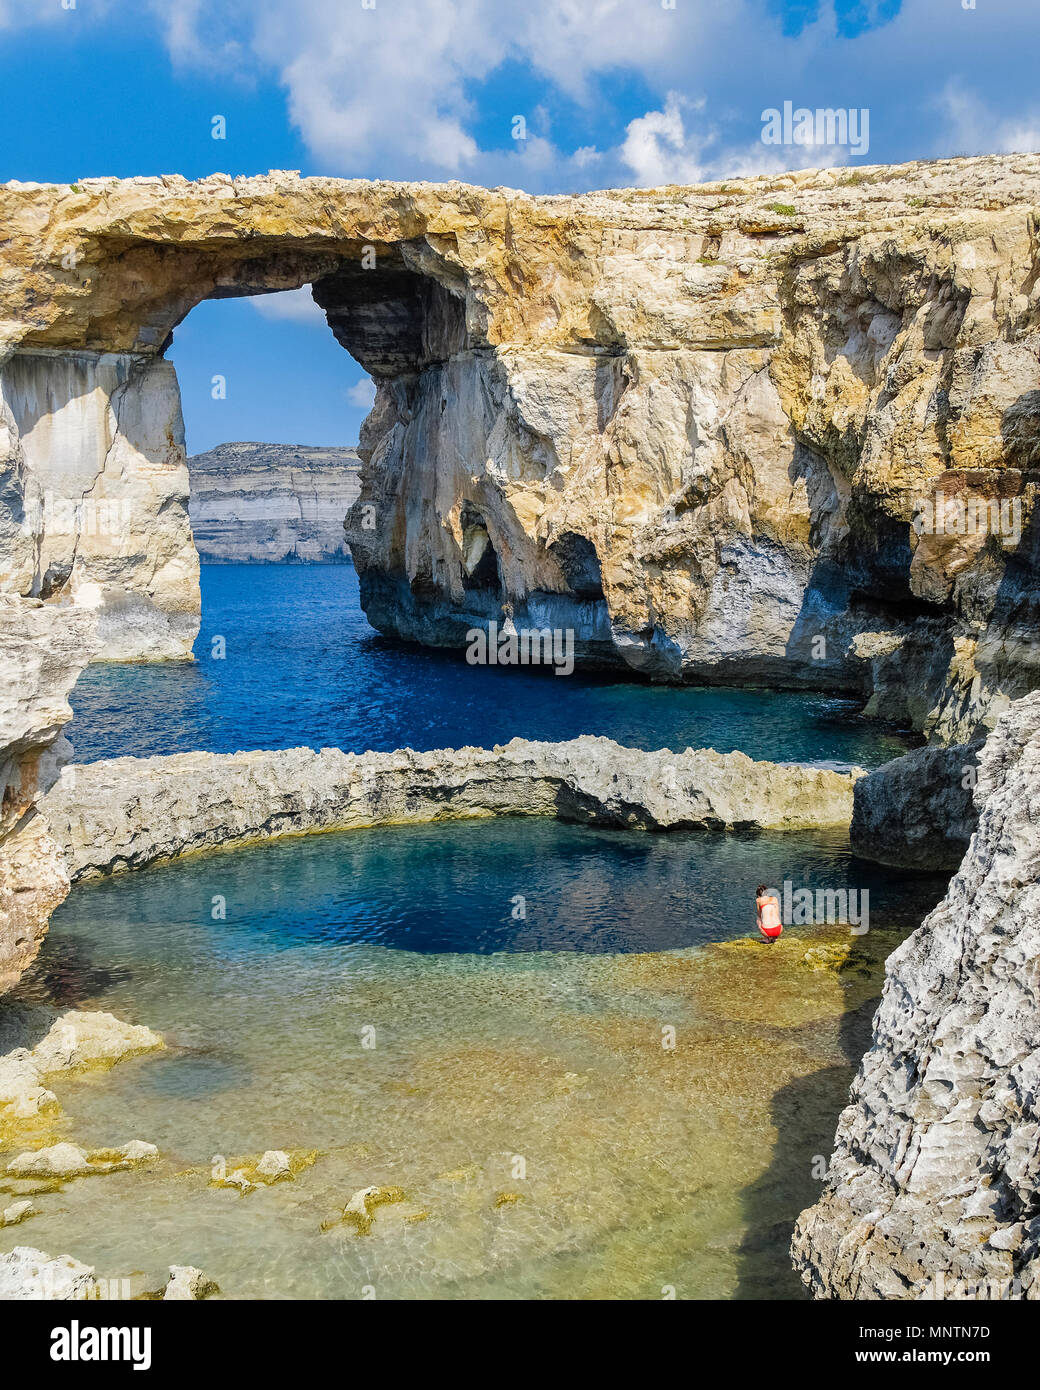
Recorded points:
(303, 667)
(376, 997)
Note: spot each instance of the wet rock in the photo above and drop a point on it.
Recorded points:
(28, 1274)
(70, 1161)
(188, 1283)
(80, 1039)
(59, 1161)
(360, 1210)
(16, 1212)
(274, 1164)
(72, 1041)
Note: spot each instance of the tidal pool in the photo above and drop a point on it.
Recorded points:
(559, 1043)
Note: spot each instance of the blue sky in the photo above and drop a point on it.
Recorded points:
(611, 92)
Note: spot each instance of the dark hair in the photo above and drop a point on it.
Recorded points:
(761, 889)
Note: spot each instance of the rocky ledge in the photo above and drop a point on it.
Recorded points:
(127, 812)
(934, 1187)
(918, 811)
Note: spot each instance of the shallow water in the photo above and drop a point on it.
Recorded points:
(303, 667)
(497, 1038)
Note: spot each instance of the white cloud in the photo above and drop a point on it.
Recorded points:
(974, 128)
(397, 90)
(362, 393)
(294, 306)
(659, 149)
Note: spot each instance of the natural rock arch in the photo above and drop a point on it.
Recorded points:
(673, 411)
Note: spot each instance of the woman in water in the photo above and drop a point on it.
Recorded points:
(769, 923)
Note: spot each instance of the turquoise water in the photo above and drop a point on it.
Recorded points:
(369, 999)
(558, 1045)
(303, 667)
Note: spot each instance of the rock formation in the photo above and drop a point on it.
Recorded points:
(693, 424)
(127, 812)
(272, 502)
(28, 1274)
(42, 651)
(917, 811)
(74, 1041)
(934, 1187)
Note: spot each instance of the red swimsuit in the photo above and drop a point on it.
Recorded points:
(769, 923)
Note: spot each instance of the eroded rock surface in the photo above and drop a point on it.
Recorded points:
(29, 1274)
(934, 1187)
(917, 811)
(272, 502)
(36, 1045)
(693, 424)
(43, 648)
(124, 813)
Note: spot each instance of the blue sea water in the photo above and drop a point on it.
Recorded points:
(303, 667)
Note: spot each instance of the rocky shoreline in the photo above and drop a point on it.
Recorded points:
(934, 1187)
(698, 428)
(124, 813)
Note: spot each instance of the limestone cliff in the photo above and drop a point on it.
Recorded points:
(934, 1187)
(124, 813)
(694, 424)
(272, 502)
(42, 651)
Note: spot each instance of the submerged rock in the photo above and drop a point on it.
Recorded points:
(934, 1185)
(272, 1166)
(17, 1212)
(70, 1161)
(74, 1040)
(127, 812)
(360, 1210)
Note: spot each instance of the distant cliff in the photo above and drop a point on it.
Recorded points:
(272, 502)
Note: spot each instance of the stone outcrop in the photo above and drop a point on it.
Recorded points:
(74, 1041)
(934, 1187)
(917, 811)
(696, 425)
(42, 650)
(127, 812)
(272, 502)
(29, 1274)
